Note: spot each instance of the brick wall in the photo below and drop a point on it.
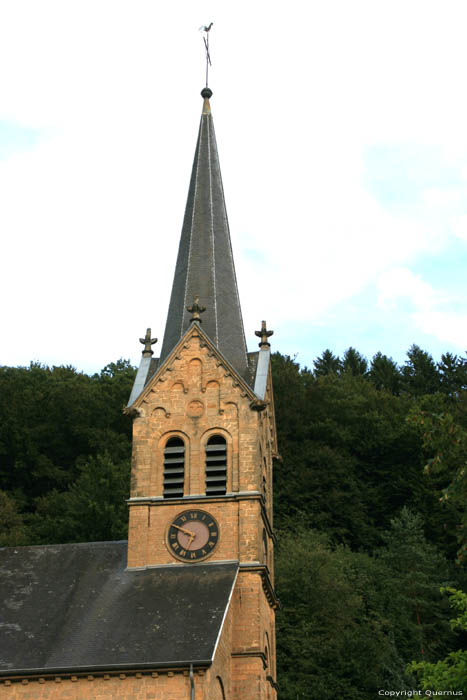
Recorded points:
(218, 676)
(195, 397)
(253, 620)
(240, 530)
(159, 686)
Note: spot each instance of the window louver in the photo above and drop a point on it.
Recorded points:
(216, 466)
(174, 468)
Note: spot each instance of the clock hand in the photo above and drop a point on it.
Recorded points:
(187, 532)
(192, 537)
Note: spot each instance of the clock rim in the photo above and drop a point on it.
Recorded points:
(177, 556)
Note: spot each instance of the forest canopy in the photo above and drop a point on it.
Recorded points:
(370, 497)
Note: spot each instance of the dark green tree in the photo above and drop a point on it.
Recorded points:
(51, 418)
(445, 445)
(385, 374)
(421, 628)
(12, 527)
(290, 385)
(92, 509)
(449, 673)
(331, 622)
(350, 459)
(327, 363)
(453, 373)
(354, 363)
(420, 374)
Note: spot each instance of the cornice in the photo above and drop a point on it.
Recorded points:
(237, 496)
(74, 673)
(268, 588)
(199, 498)
(195, 331)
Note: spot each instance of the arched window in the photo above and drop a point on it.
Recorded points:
(265, 548)
(216, 466)
(220, 687)
(174, 468)
(266, 650)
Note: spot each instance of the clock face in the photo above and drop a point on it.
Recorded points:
(192, 535)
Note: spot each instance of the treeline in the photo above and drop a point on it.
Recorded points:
(370, 509)
(370, 503)
(418, 376)
(65, 449)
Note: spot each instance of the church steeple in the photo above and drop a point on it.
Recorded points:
(205, 266)
(204, 440)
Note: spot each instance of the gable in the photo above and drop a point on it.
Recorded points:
(195, 344)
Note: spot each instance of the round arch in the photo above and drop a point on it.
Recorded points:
(216, 446)
(220, 687)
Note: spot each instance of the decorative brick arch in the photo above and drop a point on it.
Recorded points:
(267, 649)
(219, 693)
(157, 460)
(205, 438)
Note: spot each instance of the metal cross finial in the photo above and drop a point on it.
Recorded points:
(207, 29)
(147, 341)
(264, 334)
(196, 310)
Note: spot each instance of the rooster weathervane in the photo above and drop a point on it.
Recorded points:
(206, 29)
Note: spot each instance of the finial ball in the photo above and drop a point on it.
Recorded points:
(206, 92)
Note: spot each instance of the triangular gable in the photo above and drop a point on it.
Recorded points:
(193, 331)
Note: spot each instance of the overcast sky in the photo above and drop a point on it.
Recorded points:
(342, 135)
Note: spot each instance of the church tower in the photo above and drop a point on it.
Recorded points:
(204, 439)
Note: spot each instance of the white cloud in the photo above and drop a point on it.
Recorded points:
(447, 326)
(400, 283)
(92, 216)
(430, 309)
(459, 226)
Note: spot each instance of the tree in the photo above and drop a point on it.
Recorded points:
(350, 459)
(453, 373)
(328, 363)
(12, 528)
(385, 374)
(417, 570)
(290, 385)
(93, 509)
(51, 419)
(450, 672)
(329, 625)
(420, 373)
(445, 441)
(354, 363)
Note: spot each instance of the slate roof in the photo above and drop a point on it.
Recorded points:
(152, 369)
(76, 607)
(205, 265)
(250, 375)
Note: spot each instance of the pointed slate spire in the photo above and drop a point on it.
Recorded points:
(205, 266)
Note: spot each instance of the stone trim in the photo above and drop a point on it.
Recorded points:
(273, 683)
(256, 654)
(90, 674)
(200, 498)
(268, 589)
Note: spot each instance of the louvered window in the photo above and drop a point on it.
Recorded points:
(216, 466)
(174, 468)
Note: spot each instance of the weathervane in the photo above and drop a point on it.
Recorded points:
(207, 29)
